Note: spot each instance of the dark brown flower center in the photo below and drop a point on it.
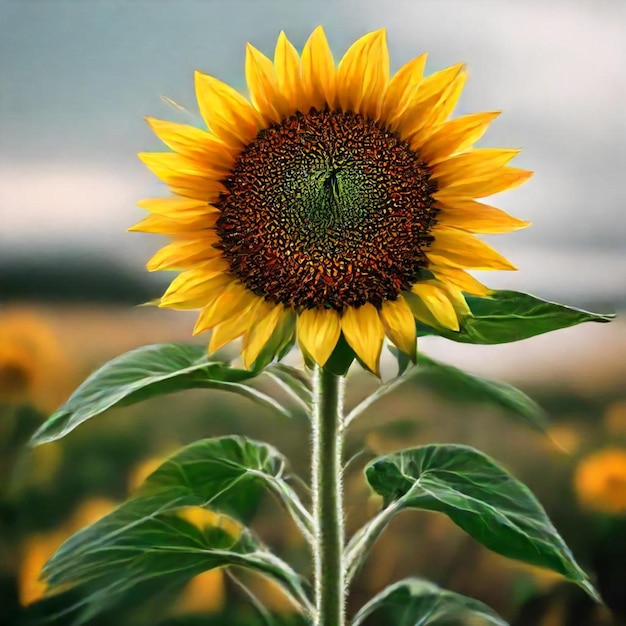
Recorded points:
(327, 209)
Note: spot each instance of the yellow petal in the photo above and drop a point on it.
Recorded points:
(419, 310)
(208, 189)
(265, 321)
(162, 225)
(440, 111)
(191, 280)
(194, 288)
(431, 94)
(318, 333)
(182, 208)
(364, 333)
(475, 217)
(234, 300)
(460, 279)
(363, 73)
(183, 254)
(437, 303)
(263, 87)
(209, 192)
(436, 84)
(193, 142)
(456, 248)
(399, 325)
(476, 162)
(318, 71)
(489, 184)
(230, 329)
(287, 66)
(402, 87)
(283, 336)
(226, 112)
(163, 163)
(448, 103)
(457, 299)
(175, 169)
(455, 136)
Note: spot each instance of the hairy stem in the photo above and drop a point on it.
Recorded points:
(328, 499)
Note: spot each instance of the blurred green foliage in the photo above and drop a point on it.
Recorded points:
(49, 492)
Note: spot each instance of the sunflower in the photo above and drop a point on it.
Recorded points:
(33, 368)
(336, 201)
(600, 481)
(38, 548)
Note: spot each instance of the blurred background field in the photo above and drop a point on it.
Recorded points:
(578, 472)
(75, 82)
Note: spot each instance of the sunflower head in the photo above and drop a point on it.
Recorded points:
(600, 481)
(37, 549)
(336, 201)
(33, 368)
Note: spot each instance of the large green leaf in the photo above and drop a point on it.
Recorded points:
(225, 474)
(459, 386)
(415, 602)
(144, 373)
(131, 555)
(479, 496)
(510, 316)
(151, 537)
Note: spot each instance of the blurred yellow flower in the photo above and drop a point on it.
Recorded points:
(600, 481)
(38, 548)
(140, 471)
(206, 593)
(269, 592)
(33, 367)
(36, 551)
(204, 519)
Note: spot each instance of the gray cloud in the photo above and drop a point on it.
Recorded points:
(78, 77)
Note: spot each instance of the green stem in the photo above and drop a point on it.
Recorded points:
(328, 498)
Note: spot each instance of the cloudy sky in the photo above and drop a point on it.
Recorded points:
(76, 79)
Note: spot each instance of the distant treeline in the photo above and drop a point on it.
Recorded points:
(75, 279)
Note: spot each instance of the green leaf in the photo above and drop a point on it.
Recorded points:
(459, 386)
(402, 359)
(144, 373)
(415, 602)
(278, 346)
(128, 553)
(224, 474)
(456, 385)
(480, 497)
(150, 537)
(510, 316)
(294, 381)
